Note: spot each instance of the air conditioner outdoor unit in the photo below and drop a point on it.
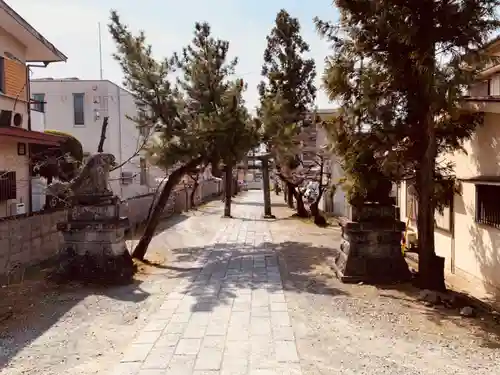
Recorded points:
(127, 178)
(17, 120)
(17, 209)
(9, 118)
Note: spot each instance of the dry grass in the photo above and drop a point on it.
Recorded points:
(149, 265)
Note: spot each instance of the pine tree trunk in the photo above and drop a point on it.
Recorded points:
(174, 178)
(193, 193)
(301, 208)
(431, 267)
(289, 194)
(228, 190)
(314, 208)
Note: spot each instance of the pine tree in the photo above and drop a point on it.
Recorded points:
(189, 114)
(287, 95)
(398, 71)
(239, 134)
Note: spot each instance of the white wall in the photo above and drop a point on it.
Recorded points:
(102, 98)
(37, 121)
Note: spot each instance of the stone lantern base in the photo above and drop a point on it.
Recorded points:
(371, 247)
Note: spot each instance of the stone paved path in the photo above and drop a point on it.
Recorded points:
(229, 318)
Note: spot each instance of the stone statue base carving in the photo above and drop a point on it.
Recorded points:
(94, 244)
(371, 247)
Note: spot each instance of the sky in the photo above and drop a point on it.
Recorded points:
(72, 26)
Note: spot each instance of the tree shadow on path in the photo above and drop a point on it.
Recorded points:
(228, 270)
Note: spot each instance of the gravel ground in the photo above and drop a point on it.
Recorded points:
(362, 329)
(339, 329)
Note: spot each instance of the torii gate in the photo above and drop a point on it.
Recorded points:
(264, 159)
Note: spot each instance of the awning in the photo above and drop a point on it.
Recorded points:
(482, 180)
(30, 136)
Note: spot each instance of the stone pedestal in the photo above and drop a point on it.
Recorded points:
(371, 246)
(94, 241)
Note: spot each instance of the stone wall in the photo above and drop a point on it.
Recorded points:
(29, 240)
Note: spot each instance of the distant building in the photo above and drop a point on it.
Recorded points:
(78, 107)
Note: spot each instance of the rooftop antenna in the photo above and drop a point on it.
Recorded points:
(100, 52)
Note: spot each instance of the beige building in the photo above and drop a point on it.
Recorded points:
(468, 233)
(21, 47)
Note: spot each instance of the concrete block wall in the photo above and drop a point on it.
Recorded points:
(29, 240)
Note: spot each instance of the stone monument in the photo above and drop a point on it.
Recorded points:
(94, 233)
(371, 243)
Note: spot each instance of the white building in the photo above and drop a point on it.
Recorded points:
(78, 107)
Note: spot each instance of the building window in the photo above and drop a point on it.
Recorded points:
(442, 220)
(144, 176)
(78, 108)
(8, 187)
(488, 205)
(39, 102)
(105, 104)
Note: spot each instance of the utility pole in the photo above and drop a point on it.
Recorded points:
(100, 52)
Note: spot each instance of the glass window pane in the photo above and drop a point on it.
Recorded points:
(78, 108)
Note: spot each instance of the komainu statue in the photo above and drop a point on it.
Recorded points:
(93, 180)
(94, 248)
